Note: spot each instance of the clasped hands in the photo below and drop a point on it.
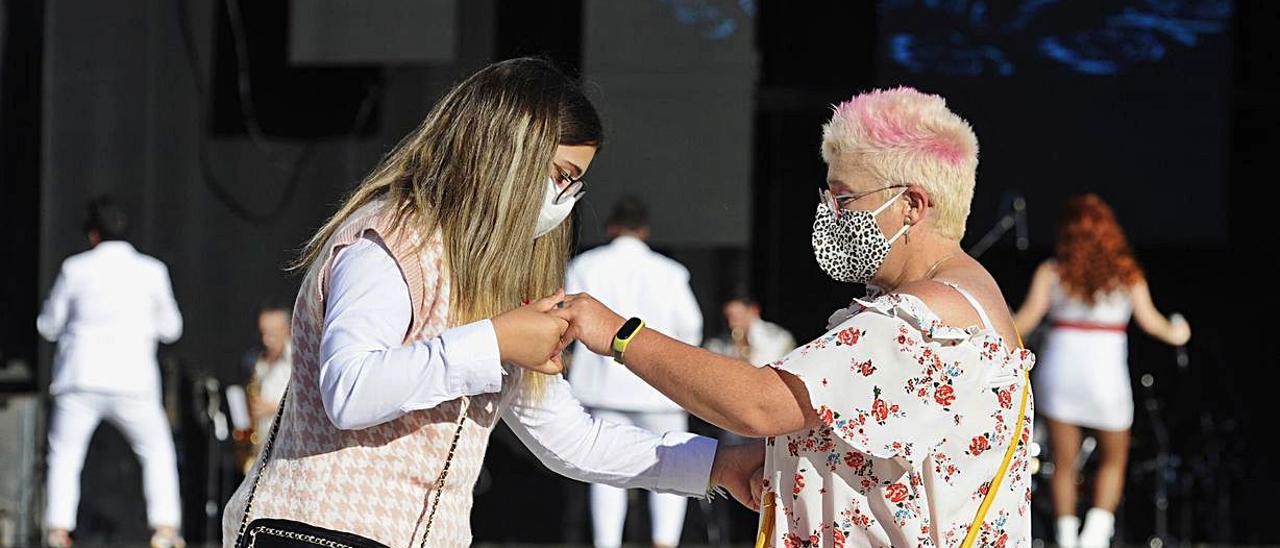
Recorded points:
(534, 336)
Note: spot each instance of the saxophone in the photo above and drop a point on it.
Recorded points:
(741, 344)
(247, 441)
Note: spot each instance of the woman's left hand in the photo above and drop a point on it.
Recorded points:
(590, 322)
(757, 488)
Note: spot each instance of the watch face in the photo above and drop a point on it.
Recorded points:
(629, 328)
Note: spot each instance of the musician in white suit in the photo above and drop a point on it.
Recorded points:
(108, 309)
(628, 276)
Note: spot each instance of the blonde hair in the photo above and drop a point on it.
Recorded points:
(476, 169)
(907, 137)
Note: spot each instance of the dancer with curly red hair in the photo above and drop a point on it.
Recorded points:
(1089, 291)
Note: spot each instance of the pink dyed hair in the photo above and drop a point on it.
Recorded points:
(905, 136)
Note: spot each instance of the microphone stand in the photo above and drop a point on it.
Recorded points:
(1164, 467)
(1014, 218)
(216, 432)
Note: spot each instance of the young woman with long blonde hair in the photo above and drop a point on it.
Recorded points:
(411, 340)
(1089, 291)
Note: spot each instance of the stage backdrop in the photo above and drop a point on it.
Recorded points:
(130, 110)
(675, 83)
(1130, 99)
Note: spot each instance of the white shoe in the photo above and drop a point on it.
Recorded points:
(58, 538)
(1099, 526)
(1068, 532)
(172, 540)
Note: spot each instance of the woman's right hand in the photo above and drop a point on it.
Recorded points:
(529, 337)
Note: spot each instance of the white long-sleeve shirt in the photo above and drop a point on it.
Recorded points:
(633, 280)
(369, 377)
(108, 309)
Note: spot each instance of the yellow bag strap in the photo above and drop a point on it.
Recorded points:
(767, 508)
(990, 497)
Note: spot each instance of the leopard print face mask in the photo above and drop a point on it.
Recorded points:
(851, 248)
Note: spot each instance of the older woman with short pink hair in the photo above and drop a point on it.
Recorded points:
(907, 423)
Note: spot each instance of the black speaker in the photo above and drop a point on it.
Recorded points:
(21, 48)
(19, 472)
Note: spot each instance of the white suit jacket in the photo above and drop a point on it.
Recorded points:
(633, 280)
(108, 309)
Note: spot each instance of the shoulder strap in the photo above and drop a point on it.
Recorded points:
(266, 454)
(990, 497)
(444, 471)
(982, 312)
(439, 484)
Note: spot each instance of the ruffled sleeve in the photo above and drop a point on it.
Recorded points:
(890, 379)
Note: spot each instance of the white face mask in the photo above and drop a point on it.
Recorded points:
(552, 214)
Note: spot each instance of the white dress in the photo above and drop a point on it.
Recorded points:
(1083, 373)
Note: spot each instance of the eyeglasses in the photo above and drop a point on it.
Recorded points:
(838, 202)
(574, 188)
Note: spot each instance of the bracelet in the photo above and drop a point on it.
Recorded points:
(624, 337)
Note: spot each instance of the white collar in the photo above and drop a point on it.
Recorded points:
(113, 246)
(286, 356)
(629, 242)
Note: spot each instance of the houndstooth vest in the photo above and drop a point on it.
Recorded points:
(378, 482)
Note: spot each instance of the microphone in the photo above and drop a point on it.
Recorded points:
(213, 407)
(1181, 349)
(1020, 222)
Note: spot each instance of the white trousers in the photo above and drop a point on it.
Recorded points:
(142, 421)
(609, 504)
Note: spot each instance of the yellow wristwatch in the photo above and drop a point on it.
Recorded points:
(624, 336)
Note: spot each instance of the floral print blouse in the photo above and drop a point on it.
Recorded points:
(917, 417)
